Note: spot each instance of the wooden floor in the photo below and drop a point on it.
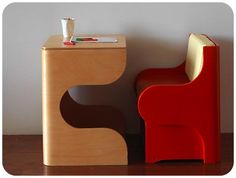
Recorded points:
(22, 155)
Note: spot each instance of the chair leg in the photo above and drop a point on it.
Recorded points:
(150, 147)
(212, 148)
(171, 142)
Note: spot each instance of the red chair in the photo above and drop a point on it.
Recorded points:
(181, 106)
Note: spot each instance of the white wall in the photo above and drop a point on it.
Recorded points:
(156, 37)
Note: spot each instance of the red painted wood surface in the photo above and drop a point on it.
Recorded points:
(182, 117)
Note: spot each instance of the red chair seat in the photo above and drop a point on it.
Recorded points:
(150, 77)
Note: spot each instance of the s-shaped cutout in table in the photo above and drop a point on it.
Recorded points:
(76, 134)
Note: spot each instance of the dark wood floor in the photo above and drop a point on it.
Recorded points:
(22, 155)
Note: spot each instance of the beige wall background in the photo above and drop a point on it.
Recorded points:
(157, 36)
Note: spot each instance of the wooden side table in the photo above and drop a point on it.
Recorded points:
(75, 134)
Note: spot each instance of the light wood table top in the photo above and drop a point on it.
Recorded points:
(56, 42)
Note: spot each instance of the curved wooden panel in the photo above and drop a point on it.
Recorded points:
(62, 68)
(92, 116)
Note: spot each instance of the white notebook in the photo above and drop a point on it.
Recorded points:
(78, 39)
